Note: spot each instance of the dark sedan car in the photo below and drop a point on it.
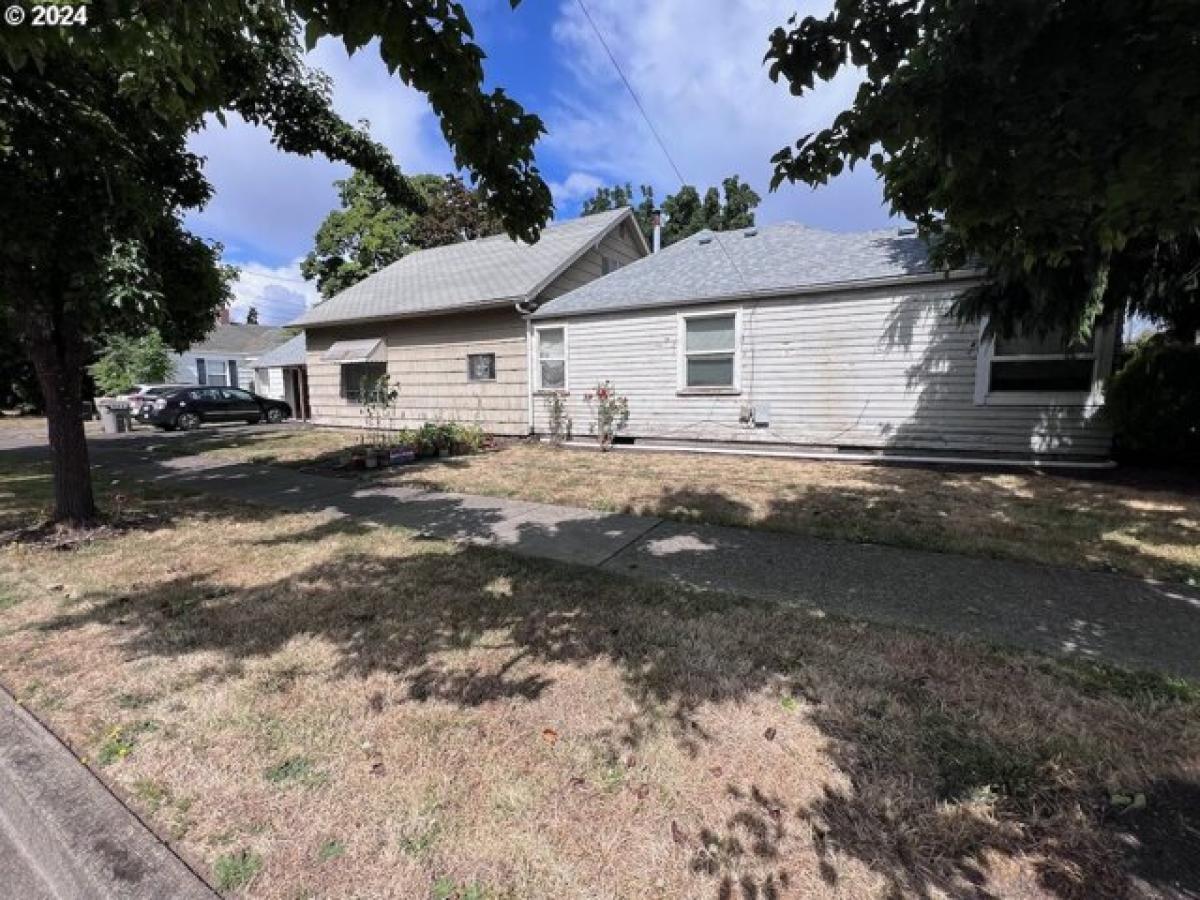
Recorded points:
(190, 408)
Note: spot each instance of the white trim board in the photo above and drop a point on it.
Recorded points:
(825, 455)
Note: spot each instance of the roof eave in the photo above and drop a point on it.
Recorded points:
(499, 303)
(955, 275)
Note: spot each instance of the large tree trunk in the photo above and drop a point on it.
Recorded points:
(59, 366)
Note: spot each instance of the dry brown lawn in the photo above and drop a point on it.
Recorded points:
(311, 707)
(1106, 522)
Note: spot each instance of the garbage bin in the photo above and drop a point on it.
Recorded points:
(114, 416)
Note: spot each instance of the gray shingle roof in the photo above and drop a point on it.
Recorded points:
(289, 353)
(248, 339)
(475, 273)
(770, 259)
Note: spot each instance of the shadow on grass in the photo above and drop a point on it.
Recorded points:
(953, 753)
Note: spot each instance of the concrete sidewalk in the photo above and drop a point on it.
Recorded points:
(1127, 621)
(64, 836)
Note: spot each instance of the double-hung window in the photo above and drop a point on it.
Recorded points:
(709, 352)
(215, 372)
(552, 358)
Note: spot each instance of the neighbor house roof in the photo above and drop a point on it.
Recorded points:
(247, 339)
(289, 353)
(486, 272)
(763, 261)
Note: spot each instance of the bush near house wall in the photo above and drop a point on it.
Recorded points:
(446, 437)
(1153, 402)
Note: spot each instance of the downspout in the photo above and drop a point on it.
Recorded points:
(523, 309)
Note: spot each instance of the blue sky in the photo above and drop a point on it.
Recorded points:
(696, 64)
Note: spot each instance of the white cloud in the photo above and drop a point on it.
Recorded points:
(270, 203)
(697, 67)
(576, 186)
(279, 293)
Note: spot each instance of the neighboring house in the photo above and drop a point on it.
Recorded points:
(787, 335)
(447, 325)
(282, 374)
(227, 355)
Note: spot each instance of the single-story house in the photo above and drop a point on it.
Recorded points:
(227, 355)
(449, 325)
(787, 335)
(282, 374)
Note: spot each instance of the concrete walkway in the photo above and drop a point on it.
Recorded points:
(1111, 618)
(64, 836)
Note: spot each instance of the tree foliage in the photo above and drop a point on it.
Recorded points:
(1153, 402)
(685, 211)
(126, 361)
(619, 196)
(252, 316)
(1053, 141)
(95, 175)
(369, 232)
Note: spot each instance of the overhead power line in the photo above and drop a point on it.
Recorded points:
(632, 93)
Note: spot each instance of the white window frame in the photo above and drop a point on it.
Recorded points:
(682, 387)
(566, 358)
(211, 365)
(1091, 399)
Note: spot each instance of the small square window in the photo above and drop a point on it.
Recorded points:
(481, 366)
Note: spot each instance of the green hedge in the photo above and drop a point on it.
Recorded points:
(1153, 402)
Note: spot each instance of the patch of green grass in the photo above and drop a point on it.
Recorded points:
(1098, 679)
(151, 793)
(236, 870)
(8, 600)
(117, 745)
(118, 742)
(331, 849)
(612, 778)
(294, 769)
(421, 839)
(133, 701)
(446, 889)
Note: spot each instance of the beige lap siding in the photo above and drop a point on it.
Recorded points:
(620, 248)
(427, 363)
(880, 369)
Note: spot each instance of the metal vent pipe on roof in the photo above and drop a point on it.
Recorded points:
(656, 221)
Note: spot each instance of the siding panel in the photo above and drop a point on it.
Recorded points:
(427, 362)
(867, 369)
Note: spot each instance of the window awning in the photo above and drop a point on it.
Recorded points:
(368, 350)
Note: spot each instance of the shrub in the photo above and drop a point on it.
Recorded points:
(1153, 402)
(611, 411)
(449, 437)
(558, 422)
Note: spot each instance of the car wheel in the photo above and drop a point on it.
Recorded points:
(188, 421)
(274, 416)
